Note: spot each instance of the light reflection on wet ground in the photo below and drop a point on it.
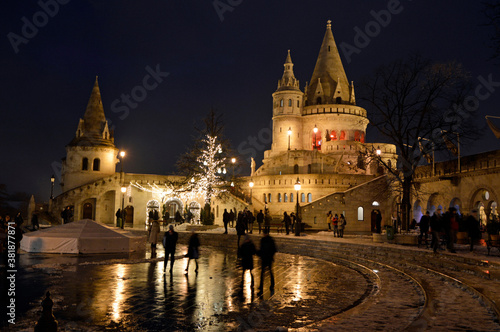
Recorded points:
(114, 293)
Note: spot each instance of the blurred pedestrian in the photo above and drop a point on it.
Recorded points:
(250, 219)
(473, 228)
(231, 217)
(342, 222)
(267, 221)
(169, 243)
(424, 226)
(260, 220)
(193, 250)
(240, 227)
(436, 224)
(225, 220)
(450, 221)
(246, 253)
(266, 254)
(287, 222)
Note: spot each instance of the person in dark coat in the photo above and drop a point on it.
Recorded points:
(225, 220)
(246, 253)
(232, 217)
(473, 228)
(193, 251)
(240, 226)
(260, 220)
(267, 222)
(424, 226)
(19, 219)
(436, 224)
(266, 254)
(450, 223)
(250, 219)
(169, 243)
(287, 221)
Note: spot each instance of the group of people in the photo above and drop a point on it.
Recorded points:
(337, 223)
(447, 225)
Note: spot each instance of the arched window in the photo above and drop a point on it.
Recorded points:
(285, 197)
(309, 170)
(97, 165)
(318, 100)
(291, 198)
(279, 198)
(338, 100)
(342, 135)
(302, 197)
(333, 135)
(298, 103)
(269, 198)
(85, 164)
(265, 198)
(316, 140)
(362, 137)
(295, 169)
(281, 102)
(309, 198)
(290, 102)
(360, 214)
(357, 136)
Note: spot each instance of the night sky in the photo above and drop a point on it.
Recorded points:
(229, 60)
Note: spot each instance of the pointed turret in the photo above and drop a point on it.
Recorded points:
(93, 128)
(288, 81)
(330, 71)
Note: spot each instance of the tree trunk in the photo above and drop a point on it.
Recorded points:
(406, 203)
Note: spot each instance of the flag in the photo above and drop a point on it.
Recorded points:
(493, 128)
(450, 145)
(422, 149)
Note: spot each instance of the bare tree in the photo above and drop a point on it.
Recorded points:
(417, 105)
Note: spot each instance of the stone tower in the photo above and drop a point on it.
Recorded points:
(91, 154)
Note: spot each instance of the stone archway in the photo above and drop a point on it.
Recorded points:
(433, 203)
(88, 209)
(152, 205)
(174, 205)
(195, 209)
(457, 204)
(417, 210)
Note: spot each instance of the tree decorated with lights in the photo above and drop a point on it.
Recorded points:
(204, 165)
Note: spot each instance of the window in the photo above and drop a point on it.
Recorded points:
(279, 198)
(342, 135)
(318, 100)
(360, 213)
(333, 135)
(290, 102)
(309, 198)
(265, 198)
(338, 100)
(97, 165)
(298, 103)
(309, 171)
(85, 164)
(269, 198)
(285, 198)
(316, 140)
(295, 169)
(362, 137)
(357, 137)
(281, 102)
(291, 198)
(302, 197)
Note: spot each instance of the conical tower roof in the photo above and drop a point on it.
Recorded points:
(93, 128)
(94, 114)
(329, 73)
(288, 81)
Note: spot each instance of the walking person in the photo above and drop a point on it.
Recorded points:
(329, 220)
(193, 251)
(293, 218)
(473, 228)
(436, 224)
(341, 224)
(424, 226)
(260, 220)
(232, 217)
(250, 220)
(169, 243)
(225, 220)
(450, 221)
(240, 227)
(266, 253)
(246, 253)
(286, 221)
(335, 223)
(154, 231)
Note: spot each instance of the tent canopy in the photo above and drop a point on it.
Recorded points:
(84, 236)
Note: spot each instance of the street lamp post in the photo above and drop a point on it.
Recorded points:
(297, 219)
(289, 134)
(52, 180)
(251, 187)
(124, 190)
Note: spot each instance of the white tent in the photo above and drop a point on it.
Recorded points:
(84, 236)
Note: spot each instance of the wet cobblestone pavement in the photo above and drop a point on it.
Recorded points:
(112, 293)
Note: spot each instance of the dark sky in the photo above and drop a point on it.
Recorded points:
(232, 65)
